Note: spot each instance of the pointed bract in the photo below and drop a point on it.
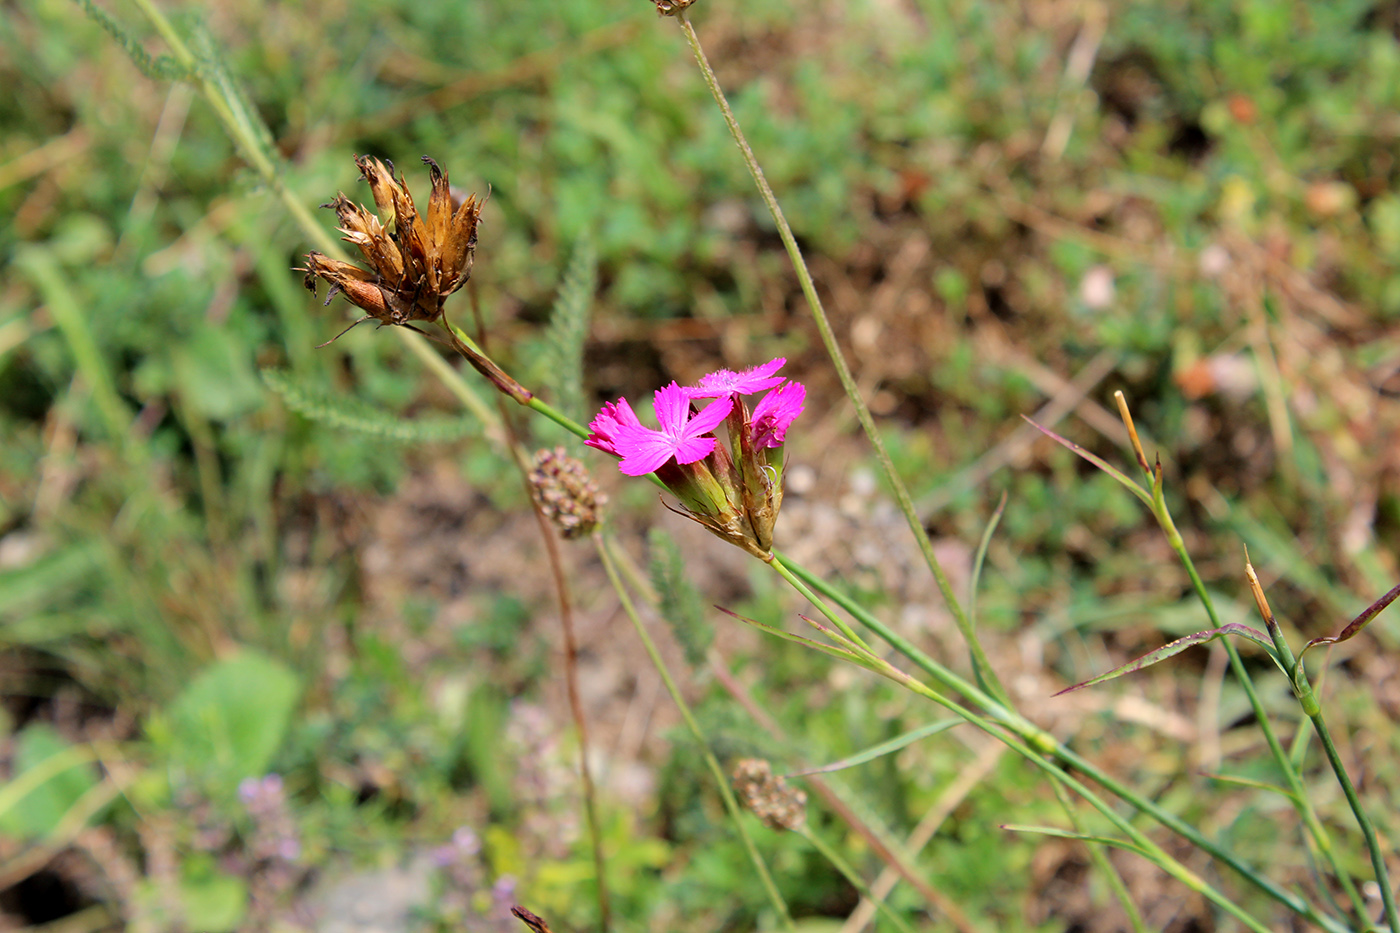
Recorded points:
(415, 262)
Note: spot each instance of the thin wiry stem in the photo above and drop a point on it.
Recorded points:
(1100, 859)
(726, 793)
(1139, 839)
(838, 360)
(1298, 793)
(566, 621)
(1307, 699)
(1044, 742)
(828, 852)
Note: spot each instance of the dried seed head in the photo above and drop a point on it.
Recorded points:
(415, 261)
(565, 492)
(671, 7)
(768, 796)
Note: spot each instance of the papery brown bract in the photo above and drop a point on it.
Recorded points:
(416, 261)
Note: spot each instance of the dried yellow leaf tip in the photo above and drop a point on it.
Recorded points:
(1122, 401)
(1259, 599)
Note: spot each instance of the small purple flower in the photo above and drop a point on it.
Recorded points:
(248, 789)
(644, 450)
(503, 894)
(605, 425)
(773, 414)
(725, 382)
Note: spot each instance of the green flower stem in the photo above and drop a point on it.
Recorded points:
(838, 359)
(797, 584)
(1045, 742)
(1155, 853)
(558, 417)
(1100, 859)
(829, 853)
(726, 793)
(1297, 792)
(1307, 699)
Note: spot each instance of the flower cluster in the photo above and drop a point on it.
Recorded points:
(464, 901)
(734, 492)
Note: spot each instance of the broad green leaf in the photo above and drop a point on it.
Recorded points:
(50, 777)
(229, 722)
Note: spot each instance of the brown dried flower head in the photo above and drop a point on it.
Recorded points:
(415, 260)
(768, 796)
(566, 494)
(671, 7)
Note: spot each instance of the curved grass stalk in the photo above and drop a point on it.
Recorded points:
(828, 852)
(838, 360)
(1307, 699)
(1101, 862)
(1297, 792)
(1136, 839)
(1044, 742)
(726, 793)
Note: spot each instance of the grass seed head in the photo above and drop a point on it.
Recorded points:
(768, 796)
(566, 493)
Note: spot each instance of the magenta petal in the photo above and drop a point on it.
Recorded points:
(694, 448)
(672, 408)
(774, 413)
(643, 450)
(605, 425)
(710, 417)
(726, 382)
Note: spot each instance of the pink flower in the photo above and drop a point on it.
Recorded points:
(773, 414)
(725, 382)
(643, 450)
(613, 416)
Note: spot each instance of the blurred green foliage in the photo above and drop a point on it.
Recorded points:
(180, 467)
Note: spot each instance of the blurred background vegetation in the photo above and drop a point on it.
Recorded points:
(209, 575)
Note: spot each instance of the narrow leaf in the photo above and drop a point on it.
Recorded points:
(1096, 460)
(1082, 837)
(835, 652)
(1356, 625)
(884, 748)
(1250, 783)
(1176, 647)
(981, 557)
